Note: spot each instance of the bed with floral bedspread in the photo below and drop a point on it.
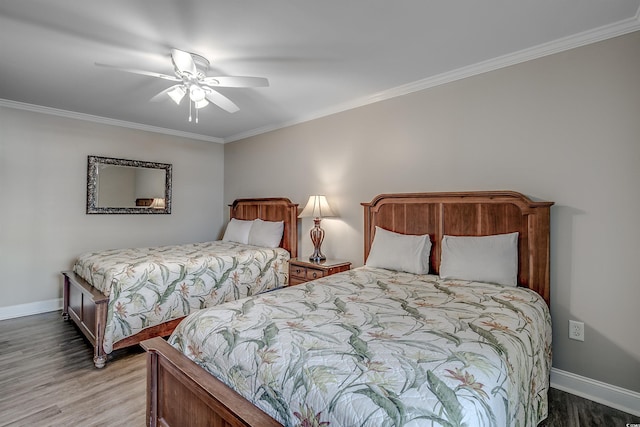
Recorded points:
(149, 286)
(374, 347)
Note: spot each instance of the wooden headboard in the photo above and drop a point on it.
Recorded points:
(479, 213)
(271, 209)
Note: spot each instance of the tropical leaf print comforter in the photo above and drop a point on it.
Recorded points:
(149, 286)
(372, 347)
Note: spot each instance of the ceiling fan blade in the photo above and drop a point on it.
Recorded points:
(220, 100)
(142, 72)
(183, 62)
(236, 81)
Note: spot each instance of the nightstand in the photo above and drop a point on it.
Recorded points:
(301, 271)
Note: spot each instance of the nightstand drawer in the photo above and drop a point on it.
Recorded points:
(313, 274)
(306, 273)
(298, 272)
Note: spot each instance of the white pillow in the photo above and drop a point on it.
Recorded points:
(491, 259)
(400, 252)
(266, 233)
(237, 231)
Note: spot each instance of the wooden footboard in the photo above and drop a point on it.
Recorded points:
(87, 307)
(181, 393)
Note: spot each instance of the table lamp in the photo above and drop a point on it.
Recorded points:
(317, 207)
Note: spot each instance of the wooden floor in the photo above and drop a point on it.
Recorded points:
(47, 378)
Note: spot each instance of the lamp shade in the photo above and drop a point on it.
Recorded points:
(317, 207)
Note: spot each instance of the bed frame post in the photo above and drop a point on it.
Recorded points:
(99, 356)
(152, 388)
(65, 298)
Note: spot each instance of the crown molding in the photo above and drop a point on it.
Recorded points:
(571, 42)
(105, 121)
(560, 45)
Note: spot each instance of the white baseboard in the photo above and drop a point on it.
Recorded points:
(607, 394)
(20, 310)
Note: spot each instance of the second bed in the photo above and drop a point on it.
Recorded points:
(120, 297)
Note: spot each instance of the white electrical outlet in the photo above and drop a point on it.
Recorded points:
(576, 330)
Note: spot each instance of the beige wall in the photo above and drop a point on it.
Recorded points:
(564, 128)
(43, 173)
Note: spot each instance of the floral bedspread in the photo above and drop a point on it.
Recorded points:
(149, 286)
(372, 347)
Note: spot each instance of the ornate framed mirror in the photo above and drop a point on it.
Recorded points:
(121, 186)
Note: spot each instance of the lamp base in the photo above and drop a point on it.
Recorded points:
(317, 236)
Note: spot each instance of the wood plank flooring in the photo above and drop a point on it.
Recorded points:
(47, 378)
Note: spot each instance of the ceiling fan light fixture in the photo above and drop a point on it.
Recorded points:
(201, 104)
(177, 93)
(196, 93)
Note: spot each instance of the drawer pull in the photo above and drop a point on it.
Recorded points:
(315, 275)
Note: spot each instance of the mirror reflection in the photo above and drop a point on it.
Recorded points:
(128, 186)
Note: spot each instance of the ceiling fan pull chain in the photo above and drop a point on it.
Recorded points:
(196, 115)
(189, 110)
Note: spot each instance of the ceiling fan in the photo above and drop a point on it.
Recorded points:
(191, 77)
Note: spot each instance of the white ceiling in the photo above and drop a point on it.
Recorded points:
(320, 56)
